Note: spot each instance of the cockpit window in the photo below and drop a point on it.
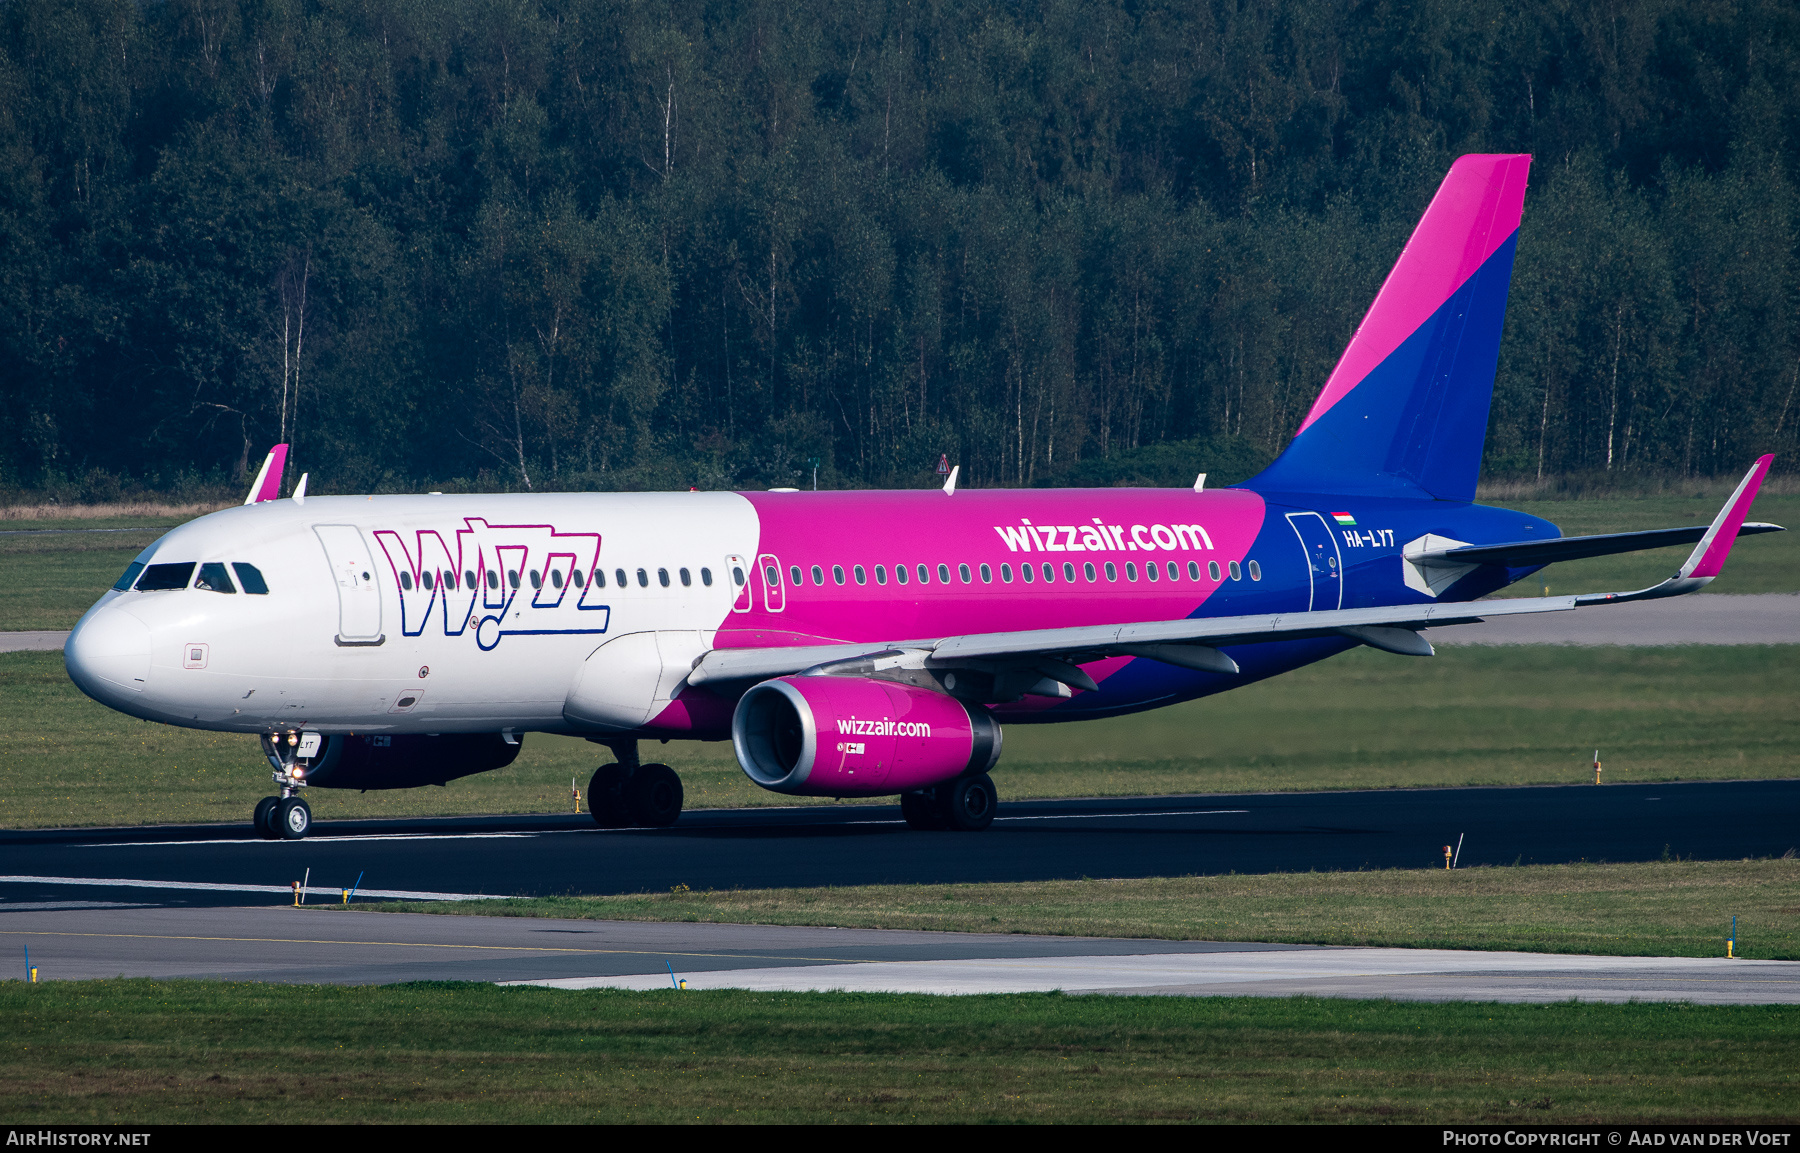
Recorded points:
(131, 573)
(213, 578)
(162, 577)
(251, 578)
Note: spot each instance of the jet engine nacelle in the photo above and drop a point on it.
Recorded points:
(828, 736)
(405, 761)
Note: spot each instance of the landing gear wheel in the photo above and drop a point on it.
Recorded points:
(606, 797)
(921, 810)
(263, 820)
(293, 817)
(655, 796)
(968, 803)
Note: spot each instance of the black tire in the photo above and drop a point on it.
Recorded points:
(606, 797)
(921, 810)
(263, 819)
(968, 804)
(655, 796)
(293, 819)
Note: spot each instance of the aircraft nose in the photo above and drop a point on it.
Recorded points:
(108, 655)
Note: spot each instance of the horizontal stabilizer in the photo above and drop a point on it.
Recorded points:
(1529, 553)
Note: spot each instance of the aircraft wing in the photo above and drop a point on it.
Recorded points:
(1053, 654)
(1523, 553)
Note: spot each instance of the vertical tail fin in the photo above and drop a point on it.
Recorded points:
(267, 485)
(1405, 411)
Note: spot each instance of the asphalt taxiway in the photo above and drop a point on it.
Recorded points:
(323, 945)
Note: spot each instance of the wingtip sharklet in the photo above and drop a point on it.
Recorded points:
(267, 485)
(1709, 555)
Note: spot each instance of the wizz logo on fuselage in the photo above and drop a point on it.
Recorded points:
(499, 579)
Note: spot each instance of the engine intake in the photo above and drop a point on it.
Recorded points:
(826, 736)
(405, 761)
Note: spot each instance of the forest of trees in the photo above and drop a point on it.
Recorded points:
(662, 243)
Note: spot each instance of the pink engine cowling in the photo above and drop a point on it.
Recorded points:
(830, 736)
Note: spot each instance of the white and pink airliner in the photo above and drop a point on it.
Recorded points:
(855, 644)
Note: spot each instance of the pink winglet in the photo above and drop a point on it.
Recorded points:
(1475, 211)
(268, 482)
(1715, 546)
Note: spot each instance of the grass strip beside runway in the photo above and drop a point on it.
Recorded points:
(197, 1051)
(1470, 716)
(1660, 909)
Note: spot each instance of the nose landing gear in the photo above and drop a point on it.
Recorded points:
(286, 817)
(628, 793)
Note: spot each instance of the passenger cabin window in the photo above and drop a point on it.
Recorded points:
(944, 574)
(1025, 571)
(1212, 570)
(1174, 571)
(537, 582)
(794, 575)
(493, 581)
(643, 579)
(900, 573)
(687, 579)
(1049, 573)
(131, 574)
(619, 577)
(406, 581)
(818, 575)
(214, 579)
(1234, 571)
(1006, 573)
(924, 575)
(837, 573)
(1193, 570)
(987, 575)
(164, 577)
(1255, 571)
(1068, 570)
(1087, 570)
(575, 576)
(880, 574)
(252, 579)
(1151, 572)
(599, 580)
(962, 570)
(512, 577)
(426, 579)
(556, 578)
(662, 577)
(862, 578)
(470, 575)
(1112, 573)
(706, 577)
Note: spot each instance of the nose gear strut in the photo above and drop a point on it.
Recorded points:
(287, 816)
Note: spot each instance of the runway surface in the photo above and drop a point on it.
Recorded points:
(1759, 619)
(323, 945)
(869, 844)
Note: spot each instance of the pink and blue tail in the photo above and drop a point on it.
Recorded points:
(1405, 412)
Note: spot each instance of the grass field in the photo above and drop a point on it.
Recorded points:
(194, 1051)
(1475, 715)
(1658, 909)
(52, 576)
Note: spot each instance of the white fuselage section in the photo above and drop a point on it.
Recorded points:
(419, 614)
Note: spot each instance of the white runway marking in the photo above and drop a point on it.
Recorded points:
(1105, 816)
(203, 886)
(1224, 973)
(330, 840)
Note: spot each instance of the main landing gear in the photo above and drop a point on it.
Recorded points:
(286, 817)
(628, 793)
(966, 805)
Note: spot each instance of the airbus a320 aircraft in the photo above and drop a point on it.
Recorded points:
(857, 644)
